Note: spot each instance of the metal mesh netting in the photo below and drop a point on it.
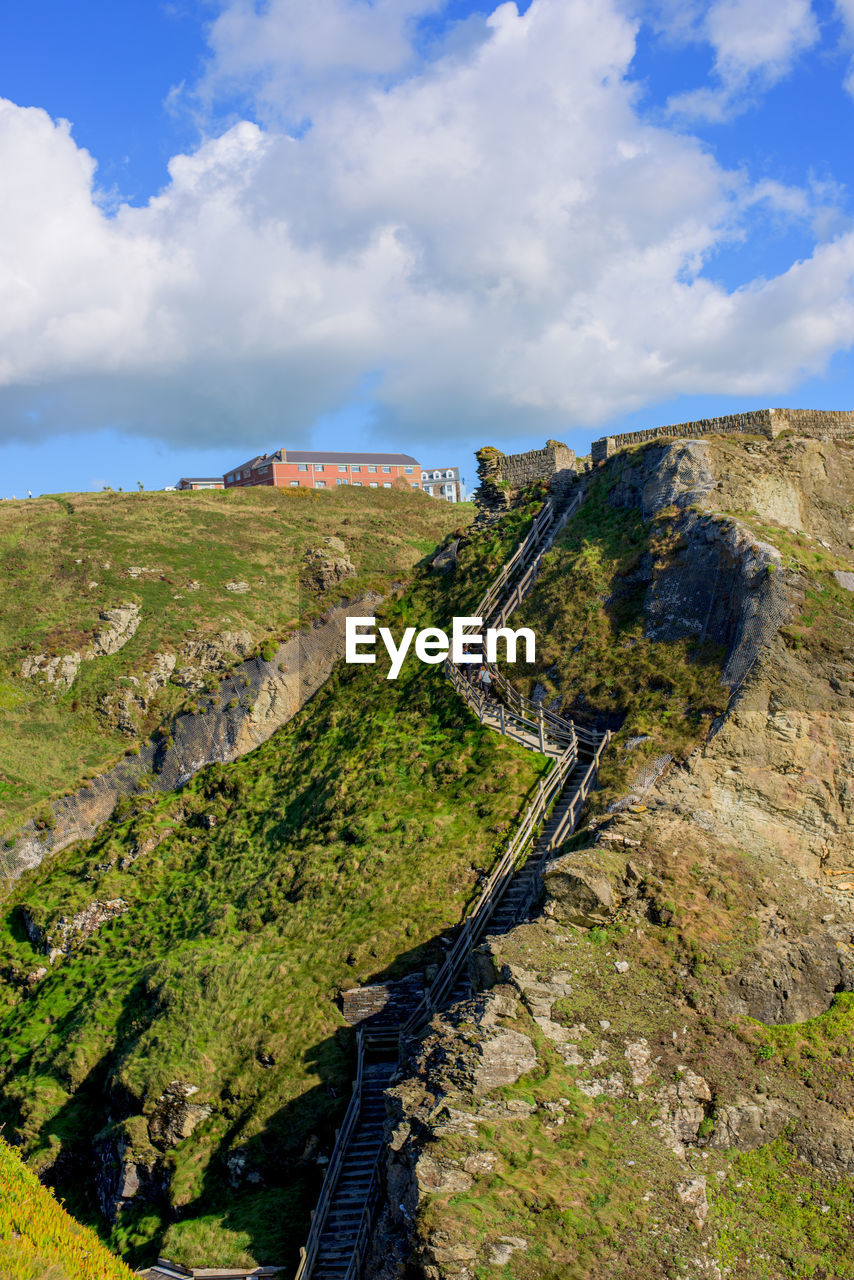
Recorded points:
(683, 476)
(642, 783)
(762, 615)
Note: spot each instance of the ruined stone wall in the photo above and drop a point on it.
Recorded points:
(502, 475)
(521, 469)
(819, 424)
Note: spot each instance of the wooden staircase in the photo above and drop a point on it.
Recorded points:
(349, 1199)
(357, 1186)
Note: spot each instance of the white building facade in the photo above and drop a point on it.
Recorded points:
(443, 482)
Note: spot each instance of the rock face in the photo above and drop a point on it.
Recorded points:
(446, 1090)
(778, 769)
(245, 710)
(123, 622)
(59, 671)
(175, 1117)
(68, 932)
(721, 584)
(327, 565)
(793, 979)
(730, 900)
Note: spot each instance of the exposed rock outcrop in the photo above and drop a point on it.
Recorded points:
(245, 710)
(66, 933)
(175, 1117)
(327, 565)
(122, 621)
(795, 978)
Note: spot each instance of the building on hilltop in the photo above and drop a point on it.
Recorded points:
(307, 469)
(443, 482)
(200, 482)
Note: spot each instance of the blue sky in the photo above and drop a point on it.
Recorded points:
(410, 224)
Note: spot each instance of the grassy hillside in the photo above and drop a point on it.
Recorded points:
(64, 559)
(38, 1239)
(339, 850)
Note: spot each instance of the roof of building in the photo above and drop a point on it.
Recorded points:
(310, 455)
(442, 471)
(200, 480)
(253, 462)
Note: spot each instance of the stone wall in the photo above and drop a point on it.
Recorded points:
(504, 474)
(820, 424)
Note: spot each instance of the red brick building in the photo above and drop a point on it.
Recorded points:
(308, 469)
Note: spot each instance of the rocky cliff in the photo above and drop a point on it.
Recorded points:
(655, 1079)
(238, 713)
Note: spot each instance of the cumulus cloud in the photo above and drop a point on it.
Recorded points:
(755, 45)
(495, 239)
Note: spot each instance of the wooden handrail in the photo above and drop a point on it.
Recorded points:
(308, 1253)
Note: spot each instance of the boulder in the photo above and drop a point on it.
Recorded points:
(327, 565)
(502, 1059)
(585, 887)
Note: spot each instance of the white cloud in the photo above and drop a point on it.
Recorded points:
(755, 45)
(497, 239)
(291, 55)
(845, 14)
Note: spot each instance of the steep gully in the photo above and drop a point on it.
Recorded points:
(351, 1193)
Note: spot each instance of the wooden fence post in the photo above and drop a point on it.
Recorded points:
(542, 733)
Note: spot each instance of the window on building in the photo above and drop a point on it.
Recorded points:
(294, 484)
(302, 466)
(357, 484)
(356, 466)
(229, 478)
(437, 475)
(413, 485)
(318, 466)
(409, 470)
(386, 484)
(342, 466)
(373, 485)
(320, 484)
(340, 481)
(387, 470)
(371, 467)
(449, 474)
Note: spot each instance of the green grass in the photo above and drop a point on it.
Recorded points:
(38, 1239)
(340, 850)
(777, 1215)
(62, 561)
